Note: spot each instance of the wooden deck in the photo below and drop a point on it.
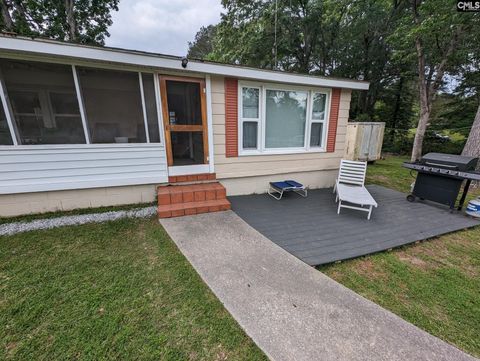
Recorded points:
(310, 229)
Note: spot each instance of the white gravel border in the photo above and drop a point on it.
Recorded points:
(18, 227)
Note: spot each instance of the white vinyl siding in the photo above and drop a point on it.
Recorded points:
(48, 168)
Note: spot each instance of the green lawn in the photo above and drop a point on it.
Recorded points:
(434, 284)
(117, 290)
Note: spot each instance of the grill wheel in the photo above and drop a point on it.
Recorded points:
(411, 198)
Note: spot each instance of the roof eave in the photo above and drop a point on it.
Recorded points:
(54, 48)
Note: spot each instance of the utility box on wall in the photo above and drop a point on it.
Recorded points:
(364, 140)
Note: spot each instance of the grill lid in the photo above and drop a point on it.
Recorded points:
(451, 161)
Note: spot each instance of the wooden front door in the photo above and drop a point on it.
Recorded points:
(185, 120)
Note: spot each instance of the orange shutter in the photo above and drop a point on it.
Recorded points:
(231, 117)
(333, 121)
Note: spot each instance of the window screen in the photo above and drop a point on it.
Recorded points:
(43, 101)
(5, 138)
(113, 105)
(151, 107)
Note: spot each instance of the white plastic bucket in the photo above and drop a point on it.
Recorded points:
(473, 208)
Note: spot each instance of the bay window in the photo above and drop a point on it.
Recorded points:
(277, 119)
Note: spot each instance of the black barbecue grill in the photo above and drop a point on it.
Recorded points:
(440, 177)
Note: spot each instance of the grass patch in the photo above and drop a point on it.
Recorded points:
(115, 290)
(434, 284)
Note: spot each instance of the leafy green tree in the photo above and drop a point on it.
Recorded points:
(322, 37)
(470, 89)
(202, 45)
(267, 34)
(432, 34)
(83, 21)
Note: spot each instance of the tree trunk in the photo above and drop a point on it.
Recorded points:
(7, 19)
(396, 109)
(472, 146)
(71, 23)
(424, 103)
(420, 134)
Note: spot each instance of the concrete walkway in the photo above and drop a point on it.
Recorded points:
(291, 310)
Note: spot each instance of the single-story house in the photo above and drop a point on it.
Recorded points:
(84, 126)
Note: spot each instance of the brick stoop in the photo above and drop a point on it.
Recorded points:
(182, 200)
(195, 178)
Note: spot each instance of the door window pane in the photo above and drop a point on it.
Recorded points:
(187, 148)
(44, 102)
(285, 119)
(5, 138)
(250, 101)
(184, 103)
(113, 105)
(151, 107)
(318, 111)
(250, 130)
(316, 135)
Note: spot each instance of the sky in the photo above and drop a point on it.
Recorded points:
(161, 26)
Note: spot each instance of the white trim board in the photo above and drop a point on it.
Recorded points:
(189, 169)
(118, 56)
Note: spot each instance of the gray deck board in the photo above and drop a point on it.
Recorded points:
(310, 229)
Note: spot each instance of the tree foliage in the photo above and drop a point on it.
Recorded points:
(202, 45)
(83, 21)
(374, 40)
(430, 34)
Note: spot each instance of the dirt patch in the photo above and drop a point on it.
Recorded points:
(369, 269)
(412, 260)
(10, 348)
(379, 178)
(221, 354)
(450, 251)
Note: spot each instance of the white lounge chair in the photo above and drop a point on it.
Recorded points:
(350, 187)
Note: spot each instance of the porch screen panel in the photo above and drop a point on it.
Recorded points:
(44, 102)
(5, 138)
(151, 107)
(184, 101)
(113, 105)
(286, 114)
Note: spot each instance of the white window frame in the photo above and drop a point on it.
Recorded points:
(261, 148)
(79, 94)
(323, 121)
(241, 119)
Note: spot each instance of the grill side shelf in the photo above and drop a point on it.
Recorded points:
(445, 172)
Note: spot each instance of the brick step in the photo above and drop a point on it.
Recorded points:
(179, 200)
(191, 208)
(192, 178)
